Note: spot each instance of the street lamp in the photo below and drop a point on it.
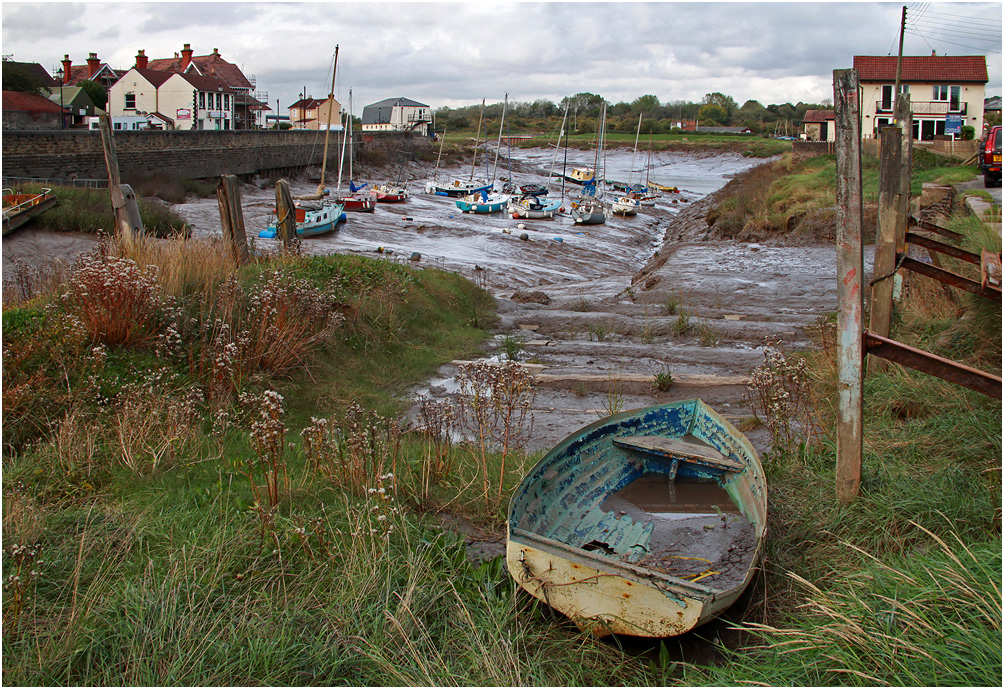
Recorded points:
(62, 115)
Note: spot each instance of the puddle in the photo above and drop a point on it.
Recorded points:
(655, 496)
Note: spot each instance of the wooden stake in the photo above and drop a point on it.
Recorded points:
(850, 345)
(285, 212)
(904, 118)
(228, 193)
(128, 222)
(890, 178)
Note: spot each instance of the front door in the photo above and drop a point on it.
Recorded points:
(927, 130)
(824, 133)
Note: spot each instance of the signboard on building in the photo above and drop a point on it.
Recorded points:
(953, 124)
(184, 114)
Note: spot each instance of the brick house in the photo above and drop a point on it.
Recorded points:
(94, 70)
(312, 113)
(820, 125)
(946, 93)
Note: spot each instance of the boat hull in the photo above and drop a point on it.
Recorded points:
(533, 208)
(311, 223)
(482, 207)
(458, 189)
(601, 568)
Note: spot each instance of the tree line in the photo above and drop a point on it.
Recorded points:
(658, 117)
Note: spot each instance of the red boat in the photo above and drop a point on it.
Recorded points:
(361, 201)
(391, 193)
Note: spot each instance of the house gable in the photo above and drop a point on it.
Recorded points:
(930, 69)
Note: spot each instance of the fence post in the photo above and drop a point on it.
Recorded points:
(128, 222)
(850, 344)
(904, 118)
(228, 194)
(890, 186)
(285, 212)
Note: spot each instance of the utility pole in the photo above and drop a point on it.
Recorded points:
(899, 66)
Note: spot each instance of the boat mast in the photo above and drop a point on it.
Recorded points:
(477, 139)
(341, 158)
(498, 145)
(561, 133)
(637, 134)
(350, 138)
(324, 160)
(435, 178)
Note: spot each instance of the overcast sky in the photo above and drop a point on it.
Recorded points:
(458, 53)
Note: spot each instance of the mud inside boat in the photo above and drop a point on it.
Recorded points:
(698, 533)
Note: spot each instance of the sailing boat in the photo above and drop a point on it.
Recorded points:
(356, 199)
(316, 215)
(588, 208)
(530, 203)
(487, 200)
(630, 202)
(461, 187)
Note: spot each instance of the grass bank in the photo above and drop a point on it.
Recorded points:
(787, 197)
(90, 210)
(200, 487)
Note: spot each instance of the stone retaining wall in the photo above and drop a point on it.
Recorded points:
(190, 155)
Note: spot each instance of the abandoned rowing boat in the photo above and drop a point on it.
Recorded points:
(645, 523)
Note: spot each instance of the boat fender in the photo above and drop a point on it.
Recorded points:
(521, 226)
(506, 231)
(558, 239)
(515, 214)
(524, 236)
(415, 256)
(561, 209)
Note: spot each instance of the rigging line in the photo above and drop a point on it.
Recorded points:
(961, 45)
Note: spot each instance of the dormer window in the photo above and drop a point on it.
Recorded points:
(130, 101)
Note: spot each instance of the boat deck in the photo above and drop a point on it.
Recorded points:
(698, 533)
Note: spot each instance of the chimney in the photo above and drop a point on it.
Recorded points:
(186, 56)
(67, 65)
(93, 65)
(216, 52)
(141, 60)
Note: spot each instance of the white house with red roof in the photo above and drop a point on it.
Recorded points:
(246, 107)
(94, 70)
(178, 100)
(946, 93)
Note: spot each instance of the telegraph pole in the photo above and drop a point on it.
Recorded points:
(899, 66)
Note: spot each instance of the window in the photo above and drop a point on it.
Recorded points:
(219, 101)
(953, 97)
(940, 92)
(202, 100)
(887, 90)
(130, 101)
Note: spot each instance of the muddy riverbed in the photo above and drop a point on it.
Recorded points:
(597, 308)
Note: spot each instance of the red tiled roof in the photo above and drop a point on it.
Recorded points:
(930, 68)
(205, 83)
(155, 77)
(208, 65)
(28, 102)
(80, 73)
(819, 116)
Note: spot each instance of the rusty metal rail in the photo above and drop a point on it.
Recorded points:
(946, 369)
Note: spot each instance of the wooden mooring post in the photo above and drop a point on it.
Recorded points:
(128, 223)
(285, 211)
(889, 231)
(850, 266)
(228, 193)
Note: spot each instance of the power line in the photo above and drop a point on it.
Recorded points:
(942, 40)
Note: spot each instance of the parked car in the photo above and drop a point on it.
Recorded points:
(989, 153)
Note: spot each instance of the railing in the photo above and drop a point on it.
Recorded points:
(930, 107)
(48, 181)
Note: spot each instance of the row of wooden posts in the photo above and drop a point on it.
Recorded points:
(853, 340)
(129, 224)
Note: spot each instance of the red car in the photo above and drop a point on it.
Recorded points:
(990, 157)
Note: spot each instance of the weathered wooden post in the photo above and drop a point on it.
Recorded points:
(904, 118)
(128, 222)
(285, 212)
(228, 193)
(889, 230)
(850, 344)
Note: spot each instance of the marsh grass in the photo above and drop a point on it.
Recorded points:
(90, 210)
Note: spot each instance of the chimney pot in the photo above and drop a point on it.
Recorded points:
(141, 60)
(93, 65)
(67, 67)
(186, 57)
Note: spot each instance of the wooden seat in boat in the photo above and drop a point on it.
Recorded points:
(677, 451)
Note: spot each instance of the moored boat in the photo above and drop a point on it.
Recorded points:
(533, 207)
(391, 193)
(458, 187)
(581, 175)
(483, 202)
(626, 205)
(587, 210)
(646, 523)
(313, 219)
